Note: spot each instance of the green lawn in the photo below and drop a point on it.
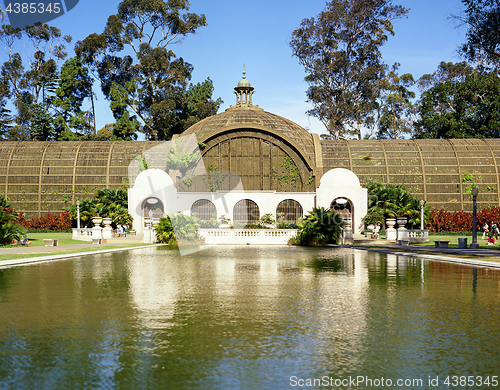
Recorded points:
(453, 239)
(67, 251)
(64, 238)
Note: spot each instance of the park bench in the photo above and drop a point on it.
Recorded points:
(97, 241)
(441, 244)
(51, 242)
(404, 242)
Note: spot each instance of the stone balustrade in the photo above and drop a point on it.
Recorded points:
(83, 234)
(247, 236)
(417, 235)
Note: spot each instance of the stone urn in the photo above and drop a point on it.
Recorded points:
(402, 233)
(97, 220)
(390, 232)
(401, 222)
(107, 232)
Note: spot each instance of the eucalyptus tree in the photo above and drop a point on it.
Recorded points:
(31, 75)
(459, 101)
(139, 73)
(482, 45)
(73, 87)
(397, 111)
(340, 52)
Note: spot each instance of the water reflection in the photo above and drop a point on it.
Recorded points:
(243, 318)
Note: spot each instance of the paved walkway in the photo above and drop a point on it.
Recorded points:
(494, 252)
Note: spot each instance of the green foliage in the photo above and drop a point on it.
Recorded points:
(165, 232)
(483, 35)
(223, 219)
(459, 102)
(178, 229)
(75, 85)
(32, 82)
(319, 228)
(340, 51)
(9, 230)
(390, 201)
(267, 219)
(142, 163)
(144, 81)
(468, 179)
(286, 174)
(210, 224)
(214, 178)
(182, 161)
(397, 109)
(107, 203)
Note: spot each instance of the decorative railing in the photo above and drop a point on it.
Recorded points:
(247, 236)
(413, 235)
(84, 234)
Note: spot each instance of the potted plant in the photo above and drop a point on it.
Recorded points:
(267, 221)
(224, 221)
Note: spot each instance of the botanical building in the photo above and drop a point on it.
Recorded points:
(278, 165)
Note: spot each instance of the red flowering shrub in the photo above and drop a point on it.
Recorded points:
(461, 221)
(50, 222)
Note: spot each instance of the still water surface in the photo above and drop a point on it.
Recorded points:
(245, 318)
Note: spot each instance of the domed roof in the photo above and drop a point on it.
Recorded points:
(253, 118)
(244, 83)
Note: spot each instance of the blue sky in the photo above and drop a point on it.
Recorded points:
(256, 33)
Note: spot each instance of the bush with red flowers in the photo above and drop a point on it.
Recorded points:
(461, 221)
(51, 221)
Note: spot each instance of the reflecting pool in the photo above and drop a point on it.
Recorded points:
(249, 318)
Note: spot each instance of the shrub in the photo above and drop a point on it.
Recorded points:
(9, 229)
(48, 222)
(319, 228)
(177, 229)
(108, 203)
(460, 221)
(287, 225)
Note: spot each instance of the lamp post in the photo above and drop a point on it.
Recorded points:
(422, 202)
(150, 226)
(474, 244)
(77, 214)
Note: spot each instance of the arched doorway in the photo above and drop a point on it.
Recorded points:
(246, 211)
(154, 205)
(345, 208)
(204, 210)
(289, 210)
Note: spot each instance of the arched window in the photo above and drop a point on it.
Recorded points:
(204, 210)
(155, 205)
(246, 211)
(289, 210)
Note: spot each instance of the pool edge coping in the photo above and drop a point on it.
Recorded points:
(49, 258)
(471, 262)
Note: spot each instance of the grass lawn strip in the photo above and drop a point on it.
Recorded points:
(31, 258)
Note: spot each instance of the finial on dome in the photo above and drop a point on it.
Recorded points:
(244, 72)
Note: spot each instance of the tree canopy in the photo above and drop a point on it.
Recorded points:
(461, 103)
(482, 45)
(340, 52)
(145, 82)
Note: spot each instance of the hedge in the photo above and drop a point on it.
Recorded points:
(461, 221)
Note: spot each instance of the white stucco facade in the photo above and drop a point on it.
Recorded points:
(155, 183)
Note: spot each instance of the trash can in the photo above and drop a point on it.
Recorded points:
(462, 243)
